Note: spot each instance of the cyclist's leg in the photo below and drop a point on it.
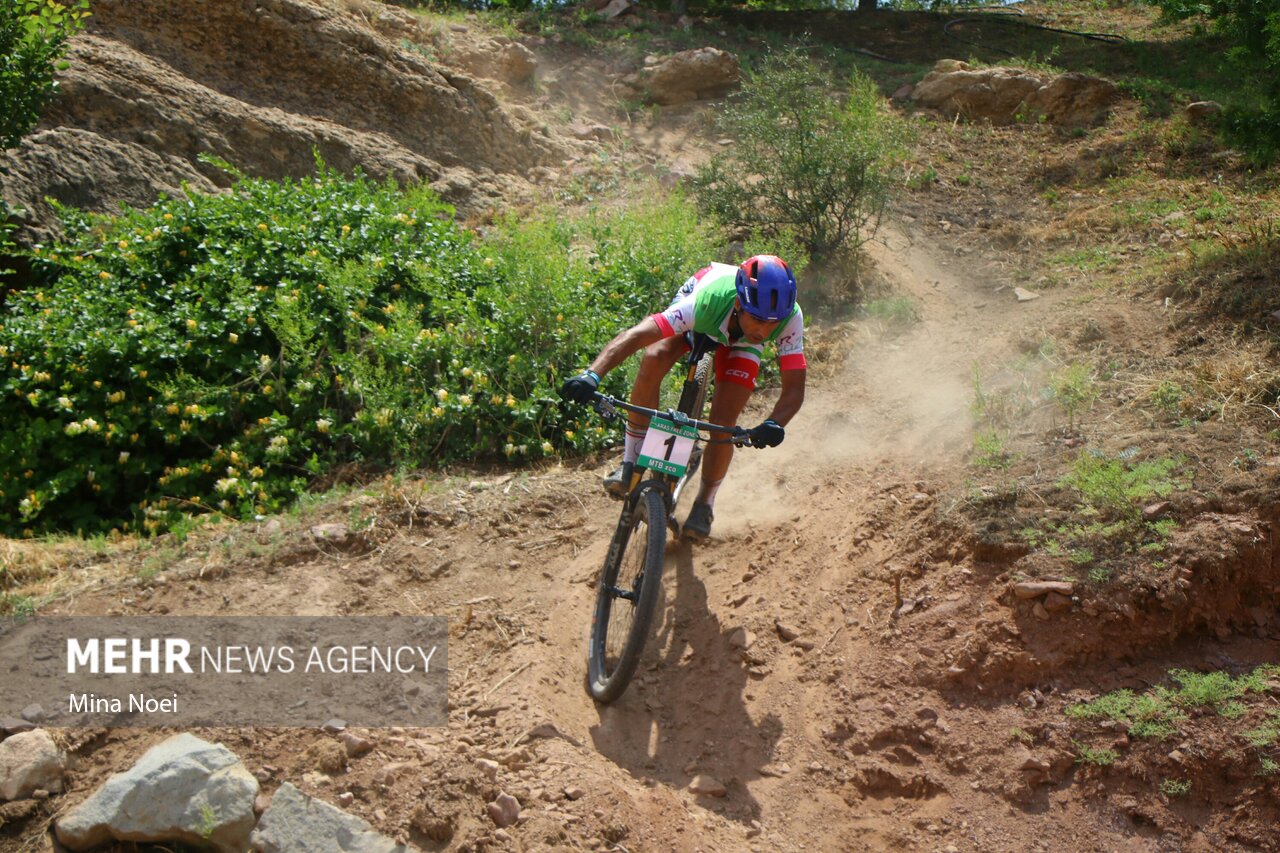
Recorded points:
(657, 361)
(735, 381)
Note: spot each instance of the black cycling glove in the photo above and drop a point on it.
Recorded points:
(581, 388)
(768, 434)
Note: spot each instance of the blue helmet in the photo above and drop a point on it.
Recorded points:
(766, 288)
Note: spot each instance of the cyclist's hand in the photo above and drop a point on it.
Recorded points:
(768, 434)
(581, 388)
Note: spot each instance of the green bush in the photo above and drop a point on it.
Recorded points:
(1252, 30)
(804, 161)
(220, 352)
(1117, 486)
(33, 34)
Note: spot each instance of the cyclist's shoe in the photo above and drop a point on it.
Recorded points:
(617, 483)
(697, 526)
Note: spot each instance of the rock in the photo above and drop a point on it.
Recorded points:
(690, 75)
(261, 803)
(503, 60)
(333, 726)
(296, 822)
(1202, 112)
(333, 533)
(741, 638)
(30, 761)
(573, 792)
(1055, 602)
(707, 786)
(504, 811)
(1035, 589)
(14, 726)
(488, 768)
(1156, 511)
(1025, 295)
(356, 746)
(33, 713)
(615, 8)
(786, 632)
(902, 93)
(1004, 95)
(593, 132)
(1039, 612)
(183, 789)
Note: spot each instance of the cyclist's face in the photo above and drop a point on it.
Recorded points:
(753, 330)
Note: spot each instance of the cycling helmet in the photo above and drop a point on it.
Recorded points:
(766, 288)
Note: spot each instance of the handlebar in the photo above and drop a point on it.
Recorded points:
(608, 407)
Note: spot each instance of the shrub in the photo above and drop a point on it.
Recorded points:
(1118, 486)
(219, 352)
(33, 34)
(803, 161)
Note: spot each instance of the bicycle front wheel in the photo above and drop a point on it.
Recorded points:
(627, 596)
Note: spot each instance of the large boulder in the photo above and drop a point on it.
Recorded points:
(691, 75)
(499, 59)
(184, 789)
(29, 762)
(295, 821)
(1006, 95)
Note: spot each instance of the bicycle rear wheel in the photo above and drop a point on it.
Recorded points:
(630, 583)
(693, 402)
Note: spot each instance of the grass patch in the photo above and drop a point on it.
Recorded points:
(1160, 712)
(1175, 787)
(892, 311)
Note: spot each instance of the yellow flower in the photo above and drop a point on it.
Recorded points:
(191, 325)
(496, 399)
(234, 338)
(256, 471)
(509, 449)
(168, 217)
(124, 457)
(262, 226)
(511, 359)
(436, 412)
(104, 275)
(172, 408)
(123, 244)
(465, 399)
(267, 389)
(442, 395)
(546, 447)
(569, 434)
(511, 402)
(323, 424)
(466, 371)
(250, 320)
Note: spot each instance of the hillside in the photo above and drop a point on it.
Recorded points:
(860, 655)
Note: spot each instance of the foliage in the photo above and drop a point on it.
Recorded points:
(1096, 757)
(1252, 31)
(803, 161)
(221, 352)
(1118, 486)
(33, 34)
(1159, 712)
(1074, 390)
(1175, 787)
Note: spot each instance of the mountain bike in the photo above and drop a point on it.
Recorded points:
(630, 581)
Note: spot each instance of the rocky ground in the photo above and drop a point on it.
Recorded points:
(865, 656)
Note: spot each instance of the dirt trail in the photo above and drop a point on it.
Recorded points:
(806, 536)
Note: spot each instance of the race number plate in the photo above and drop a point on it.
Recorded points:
(667, 447)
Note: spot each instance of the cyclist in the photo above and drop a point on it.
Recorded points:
(742, 309)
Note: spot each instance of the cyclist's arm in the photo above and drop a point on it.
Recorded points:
(792, 366)
(625, 343)
(792, 396)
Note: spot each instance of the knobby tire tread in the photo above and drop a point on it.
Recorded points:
(608, 686)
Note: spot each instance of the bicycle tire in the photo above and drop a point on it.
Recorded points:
(634, 567)
(693, 400)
